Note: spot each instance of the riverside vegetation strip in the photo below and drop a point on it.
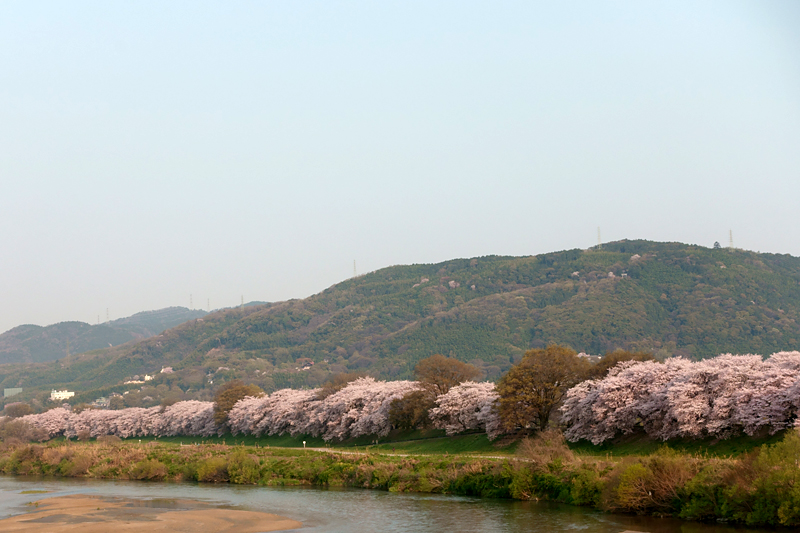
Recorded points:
(759, 487)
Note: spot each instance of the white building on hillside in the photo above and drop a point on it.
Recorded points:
(56, 395)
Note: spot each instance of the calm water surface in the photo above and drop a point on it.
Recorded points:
(356, 511)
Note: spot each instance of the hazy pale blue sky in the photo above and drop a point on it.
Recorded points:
(153, 150)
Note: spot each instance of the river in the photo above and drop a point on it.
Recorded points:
(356, 511)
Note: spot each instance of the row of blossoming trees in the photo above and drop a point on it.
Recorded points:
(717, 397)
(678, 398)
(360, 408)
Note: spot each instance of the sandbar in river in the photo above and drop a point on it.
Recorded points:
(97, 514)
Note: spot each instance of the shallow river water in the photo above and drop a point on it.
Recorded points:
(356, 511)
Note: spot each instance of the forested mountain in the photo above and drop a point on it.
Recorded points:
(36, 344)
(668, 298)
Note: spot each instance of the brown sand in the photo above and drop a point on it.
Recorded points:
(92, 514)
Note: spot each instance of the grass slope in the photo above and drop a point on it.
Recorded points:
(435, 442)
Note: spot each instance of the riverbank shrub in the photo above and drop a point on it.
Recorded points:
(213, 470)
(77, 466)
(653, 484)
(243, 469)
(545, 447)
(775, 486)
(149, 469)
(587, 486)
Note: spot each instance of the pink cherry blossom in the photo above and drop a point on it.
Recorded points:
(716, 397)
(468, 406)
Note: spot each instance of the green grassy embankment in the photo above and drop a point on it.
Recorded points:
(639, 445)
(400, 442)
(436, 442)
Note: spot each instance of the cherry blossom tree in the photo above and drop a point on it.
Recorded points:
(718, 397)
(770, 398)
(285, 411)
(631, 395)
(360, 408)
(53, 422)
(468, 406)
(190, 418)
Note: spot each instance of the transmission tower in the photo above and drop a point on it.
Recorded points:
(730, 239)
(107, 319)
(208, 303)
(191, 303)
(599, 241)
(242, 300)
(354, 268)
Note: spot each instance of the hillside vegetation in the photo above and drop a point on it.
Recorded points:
(37, 344)
(666, 298)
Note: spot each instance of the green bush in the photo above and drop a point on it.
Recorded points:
(587, 488)
(187, 471)
(789, 511)
(553, 482)
(632, 491)
(777, 484)
(486, 485)
(79, 465)
(242, 468)
(522, 487)
(213, 470)
(29, 452)
(654, 484)
(551, 486)
(149, 469)
(704, 496)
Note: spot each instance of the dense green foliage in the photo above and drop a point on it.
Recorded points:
(532, 389)
(439, 373)
(664, 298)
(227, 396)
(412, 411)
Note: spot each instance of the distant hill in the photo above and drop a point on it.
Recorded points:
(667, 298)
(37, 344)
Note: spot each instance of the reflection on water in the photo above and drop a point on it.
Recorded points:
(356, 511)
